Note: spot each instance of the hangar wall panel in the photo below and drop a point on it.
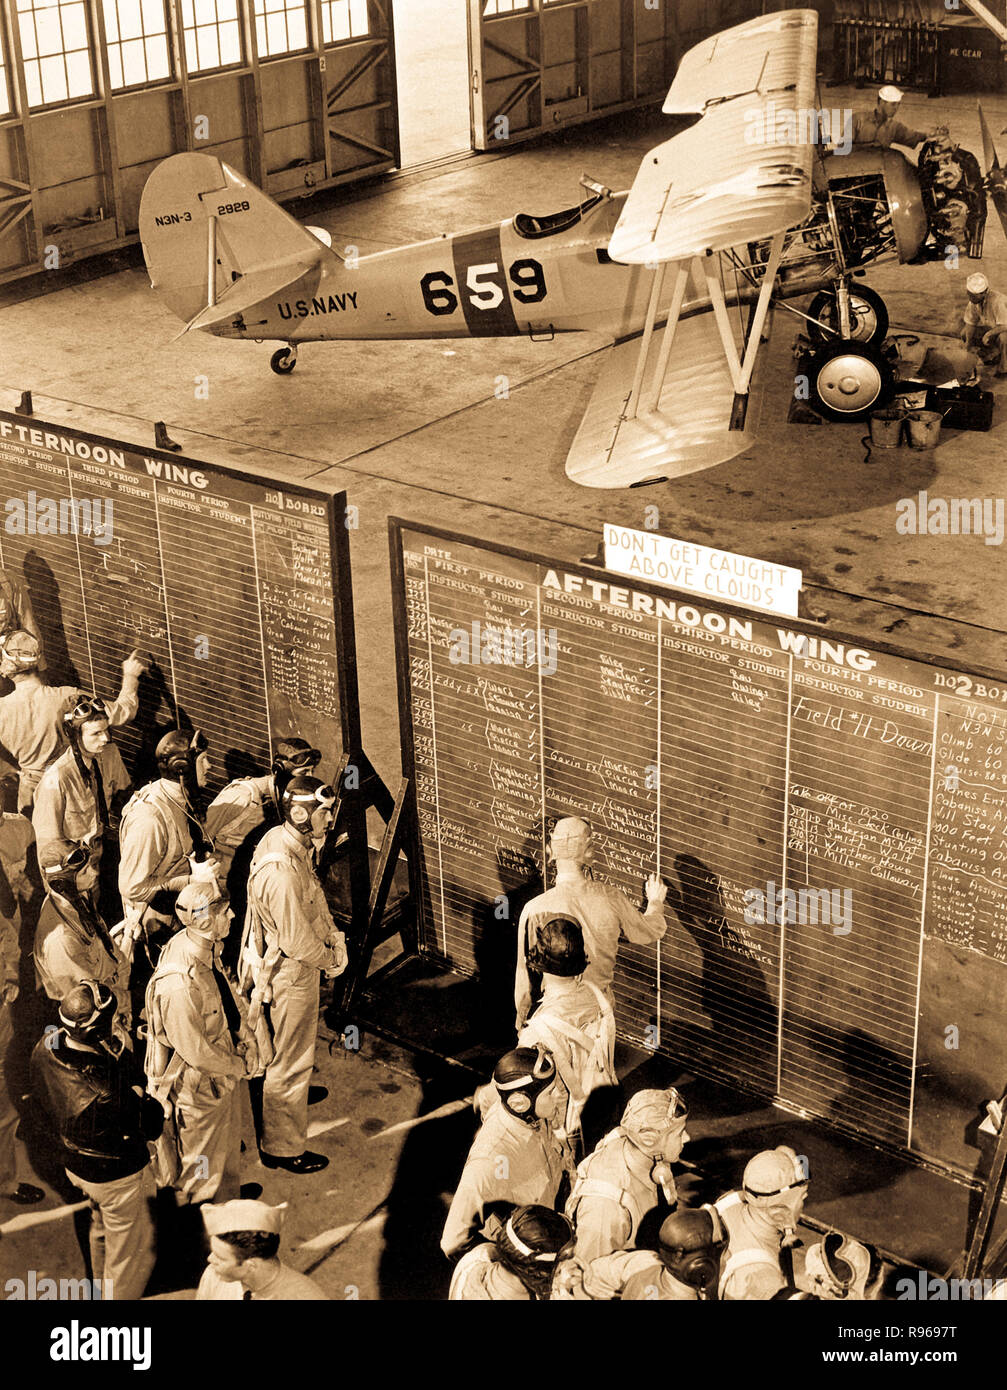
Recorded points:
(72, 171)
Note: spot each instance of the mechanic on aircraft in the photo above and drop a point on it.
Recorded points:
(879, 127)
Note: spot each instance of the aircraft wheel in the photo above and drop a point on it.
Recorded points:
(868, 317)
(283, 361)
(848, 380)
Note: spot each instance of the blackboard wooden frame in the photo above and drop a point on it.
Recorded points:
(813, 629)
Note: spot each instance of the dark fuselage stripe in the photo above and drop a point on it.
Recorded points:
(483, 248)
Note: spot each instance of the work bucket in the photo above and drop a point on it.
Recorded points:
(886, 427)
(924, 428)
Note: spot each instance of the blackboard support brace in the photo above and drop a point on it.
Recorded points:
(374, 933)
(971, 1263)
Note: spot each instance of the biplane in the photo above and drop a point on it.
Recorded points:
(682, 271)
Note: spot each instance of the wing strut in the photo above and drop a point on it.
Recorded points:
(741, 369)
(648, 336)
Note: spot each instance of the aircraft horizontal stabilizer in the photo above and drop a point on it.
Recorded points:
(202, 221)
(252, 289)
(685, 431)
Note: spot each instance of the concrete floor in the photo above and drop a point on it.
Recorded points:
(414, 429)
(432, 76)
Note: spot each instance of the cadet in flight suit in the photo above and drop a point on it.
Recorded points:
(72, 942)
(518, 1265)
(516, 1157)
(31, 716)
(240, 808)
(161, 831)
(627, 1174)
(761, 1221)
(79, 796)
(574, 1022)
(15, 893)
(244, 1241)
(602, 911)
(195, 1061)
(289, 939)
(684, 1269)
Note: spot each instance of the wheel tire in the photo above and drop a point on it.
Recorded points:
(868, 314)
(848, 380)
(283, 362)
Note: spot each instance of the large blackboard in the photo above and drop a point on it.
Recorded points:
(238, 585)
(727, 751)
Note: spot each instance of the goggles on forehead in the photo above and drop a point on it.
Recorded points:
(75, 858)
(543, 1070)
(321, 796)
(305, 757)
(677, 1108)
(88, 708)
(800, 1180)
(103, 999)
(545, 1257)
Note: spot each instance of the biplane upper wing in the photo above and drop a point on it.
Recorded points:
(742, 173)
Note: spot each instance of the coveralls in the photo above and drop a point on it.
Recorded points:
(66, 805)
(72, 946)
(479, 1277)
(634, 1275)
(613, 1193)
(287, 900)
(991, 313)
(191, 1008)
(584, 1060)
(603, 911)
(31, 725)
(509, 1161)
(16, 611)
(752, 1268)
(875, 128)
(9, 960)
(156, 837)
(235, 813)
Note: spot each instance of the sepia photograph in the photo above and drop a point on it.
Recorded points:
(503, 671)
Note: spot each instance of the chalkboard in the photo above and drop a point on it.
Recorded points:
(744, 759)
(238, 585)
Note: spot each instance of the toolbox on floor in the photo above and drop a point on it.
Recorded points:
(963, 407)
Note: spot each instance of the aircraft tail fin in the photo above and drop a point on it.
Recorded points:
(205, 229)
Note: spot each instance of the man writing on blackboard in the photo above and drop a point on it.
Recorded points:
(31, 716)
(602, 910)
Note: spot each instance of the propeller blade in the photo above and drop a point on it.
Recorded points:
(995, 175)
(989, 149)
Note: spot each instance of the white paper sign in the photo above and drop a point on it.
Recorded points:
(716, 575)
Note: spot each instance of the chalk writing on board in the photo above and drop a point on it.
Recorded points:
(726, 752)
(229, 566)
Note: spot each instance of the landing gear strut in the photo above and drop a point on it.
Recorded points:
(284, 360)
(868, 317)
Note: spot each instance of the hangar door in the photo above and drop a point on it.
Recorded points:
(539, 64)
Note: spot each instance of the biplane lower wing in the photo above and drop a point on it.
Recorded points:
(683, 431)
